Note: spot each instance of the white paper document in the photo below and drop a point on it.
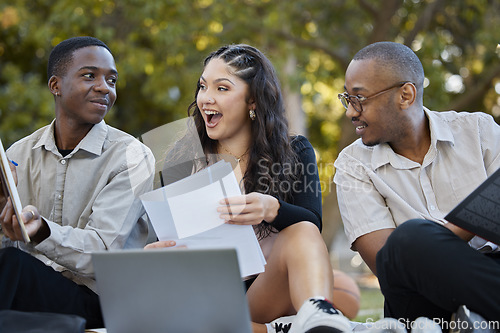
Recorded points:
(192, 219)
(186, 211)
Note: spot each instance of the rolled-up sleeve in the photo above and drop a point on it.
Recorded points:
(115, 213)
(89, 198)
(362, 207)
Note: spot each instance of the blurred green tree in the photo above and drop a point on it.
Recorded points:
(159, 46)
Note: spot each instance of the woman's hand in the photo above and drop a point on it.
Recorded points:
(249, 209)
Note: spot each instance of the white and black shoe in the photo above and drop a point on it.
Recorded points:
(317, 315)
(466, 321)
(280, 325)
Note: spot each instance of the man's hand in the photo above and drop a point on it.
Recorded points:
(3, 196)
(36, 228)
(462, 233)
(159, 245)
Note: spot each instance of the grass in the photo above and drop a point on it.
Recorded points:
(372, 305)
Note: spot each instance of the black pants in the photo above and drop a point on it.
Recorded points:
(26, 284)
(425, 270)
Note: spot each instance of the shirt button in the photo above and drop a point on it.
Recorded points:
(432, 207)
(63, 162)
(59, 196)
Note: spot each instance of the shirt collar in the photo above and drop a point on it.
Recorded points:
(93, 142)
(383, 154)
(440, 131)
(47, 138)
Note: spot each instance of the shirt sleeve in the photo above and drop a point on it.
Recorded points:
(116, 211)
(362, 207)
(490, 138)
(306, 190)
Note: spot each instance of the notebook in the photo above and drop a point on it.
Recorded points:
(171, 290)
(479, 212)
(10, 190)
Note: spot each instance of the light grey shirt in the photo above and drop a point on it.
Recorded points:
(89, 198)
(379, 189)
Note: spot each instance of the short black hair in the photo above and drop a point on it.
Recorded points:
(398, 57)
(62, 54)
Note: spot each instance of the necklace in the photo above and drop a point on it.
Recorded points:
(237, 158)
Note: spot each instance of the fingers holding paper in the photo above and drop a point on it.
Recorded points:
(249, 209)
(160, 245)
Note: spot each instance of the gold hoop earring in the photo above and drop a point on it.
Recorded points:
(252, 114)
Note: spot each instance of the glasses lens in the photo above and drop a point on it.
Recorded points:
(356, 104)
(344, 100)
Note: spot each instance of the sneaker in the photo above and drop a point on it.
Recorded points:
(425, 325)
(384, 325)
(317, 315)
(465, 321)
(280, 325)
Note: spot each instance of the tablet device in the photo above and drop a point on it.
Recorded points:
(479, 212)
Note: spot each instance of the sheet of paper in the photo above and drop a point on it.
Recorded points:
(192, 219)
(231, 185)
(161, 219)
(241, 237)
(186, 211)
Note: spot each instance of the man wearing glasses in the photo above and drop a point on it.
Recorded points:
(396, 183)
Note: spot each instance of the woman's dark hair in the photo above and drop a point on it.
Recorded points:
(271, 150)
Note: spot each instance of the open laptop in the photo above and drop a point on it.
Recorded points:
(479, 212)
(172, 291)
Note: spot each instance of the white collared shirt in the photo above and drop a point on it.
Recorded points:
(379, 189)
(89, 198)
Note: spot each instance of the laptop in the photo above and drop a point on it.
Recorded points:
(172, 291)
(479, 212)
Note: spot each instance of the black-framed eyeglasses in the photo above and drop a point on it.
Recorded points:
(356, 101)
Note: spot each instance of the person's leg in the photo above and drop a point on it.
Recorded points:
(426, 270)
(297, 269)
(26, 284)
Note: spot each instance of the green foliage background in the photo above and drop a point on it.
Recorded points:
(159, 46)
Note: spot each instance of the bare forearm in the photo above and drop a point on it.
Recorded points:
(368, 245)
(464, 234)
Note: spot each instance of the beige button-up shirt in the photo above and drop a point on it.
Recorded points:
(89, 198)
(379, 189)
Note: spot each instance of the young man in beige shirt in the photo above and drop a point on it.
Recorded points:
(414, 164)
